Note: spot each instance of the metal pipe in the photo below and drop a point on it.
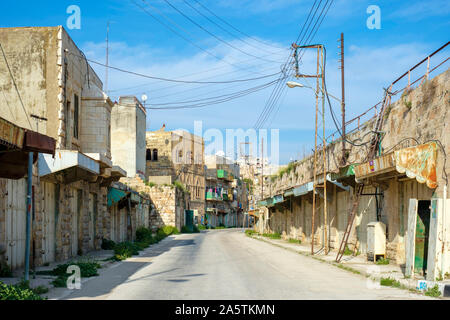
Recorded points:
(444, 238)
(28, 218)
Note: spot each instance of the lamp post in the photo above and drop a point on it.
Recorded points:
(293, 84)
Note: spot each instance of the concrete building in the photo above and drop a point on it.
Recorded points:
(178, 156)
(128, 127)
(405, 187)
(62, 98)
(225, 193)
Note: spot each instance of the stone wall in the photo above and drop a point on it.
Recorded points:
(420, 114)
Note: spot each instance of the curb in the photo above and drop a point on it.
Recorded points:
(406, 284)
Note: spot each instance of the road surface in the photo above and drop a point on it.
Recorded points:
(226, 264)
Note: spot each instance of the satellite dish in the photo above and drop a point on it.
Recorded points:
(144, 98)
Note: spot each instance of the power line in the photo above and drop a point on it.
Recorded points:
(231, 26)
(183, 37)
(199, 100)
(218, 101)
(212, 34)
(278, 91)
(177, 80)
(222, 28)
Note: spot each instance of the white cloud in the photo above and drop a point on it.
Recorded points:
(368, 70)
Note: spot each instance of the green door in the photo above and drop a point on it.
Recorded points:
(189, 218)
(421, 242)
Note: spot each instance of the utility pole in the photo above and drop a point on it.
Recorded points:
(319, 88)
(324, 143)
(107, 57)
(344, 157)
(262, 169)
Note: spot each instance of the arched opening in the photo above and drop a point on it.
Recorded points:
(155, 155)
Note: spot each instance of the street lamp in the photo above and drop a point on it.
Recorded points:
(293, 84)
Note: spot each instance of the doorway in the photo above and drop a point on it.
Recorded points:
(422, 234)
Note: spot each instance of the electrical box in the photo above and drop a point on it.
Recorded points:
(376, 240)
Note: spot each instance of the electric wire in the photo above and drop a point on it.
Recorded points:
(213, 35)
(177, 80)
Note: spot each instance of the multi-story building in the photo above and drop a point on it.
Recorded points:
(178, 157)
(52, 90)
(226, 194)
(128, 127)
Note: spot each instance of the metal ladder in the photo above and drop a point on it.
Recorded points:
(348, 230)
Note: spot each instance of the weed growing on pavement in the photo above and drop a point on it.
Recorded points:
(341, 266)
(201, 227)
(5, 271)
(275, 235)
(291, 240)
(17, 292)
(347, 251)
(382, 261)
(251, 232)
(433, 292)
(389, 282)
(193, 229)
(108, 244)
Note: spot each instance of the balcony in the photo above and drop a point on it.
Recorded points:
(223, 174)
(212, 196)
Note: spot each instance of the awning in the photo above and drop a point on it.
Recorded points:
(303, 189)
(418, 162)
(115, 195)
(375, 167)
(11, 135)
(36, 142)
(345, 175)
(15, 144)
(74, 164)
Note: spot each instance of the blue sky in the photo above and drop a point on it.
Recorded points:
(374, 58)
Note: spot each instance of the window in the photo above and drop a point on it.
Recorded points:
(75, 116)
(148, 155)
(155, 155)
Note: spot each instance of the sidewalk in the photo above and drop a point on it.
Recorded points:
(356, 264)
(100, 256)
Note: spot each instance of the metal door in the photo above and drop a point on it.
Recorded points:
(189, 218)
(16, 222)
(48, 222)
(91, 221)
(421, 240)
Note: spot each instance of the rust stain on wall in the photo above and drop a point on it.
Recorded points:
(418, 162)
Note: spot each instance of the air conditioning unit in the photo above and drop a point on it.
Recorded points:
(376, 240)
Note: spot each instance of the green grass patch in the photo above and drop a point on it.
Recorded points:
(275, 235)
(18, 292)
(108, 244)
(190, 229)
(201, 227)
(291, 240)
(5, 271)
(347, 251)
(389, 282)
(344, 267)
(251, 232)
(433, 292)
(382, 261)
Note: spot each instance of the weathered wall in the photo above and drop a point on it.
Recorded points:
(421, 114)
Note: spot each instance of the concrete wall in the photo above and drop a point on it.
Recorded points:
(421, 114)
(128, 126)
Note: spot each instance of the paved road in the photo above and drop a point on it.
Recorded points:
(225, 264)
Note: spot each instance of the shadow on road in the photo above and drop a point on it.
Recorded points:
(112, 277)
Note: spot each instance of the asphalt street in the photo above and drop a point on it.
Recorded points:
(226, 264)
